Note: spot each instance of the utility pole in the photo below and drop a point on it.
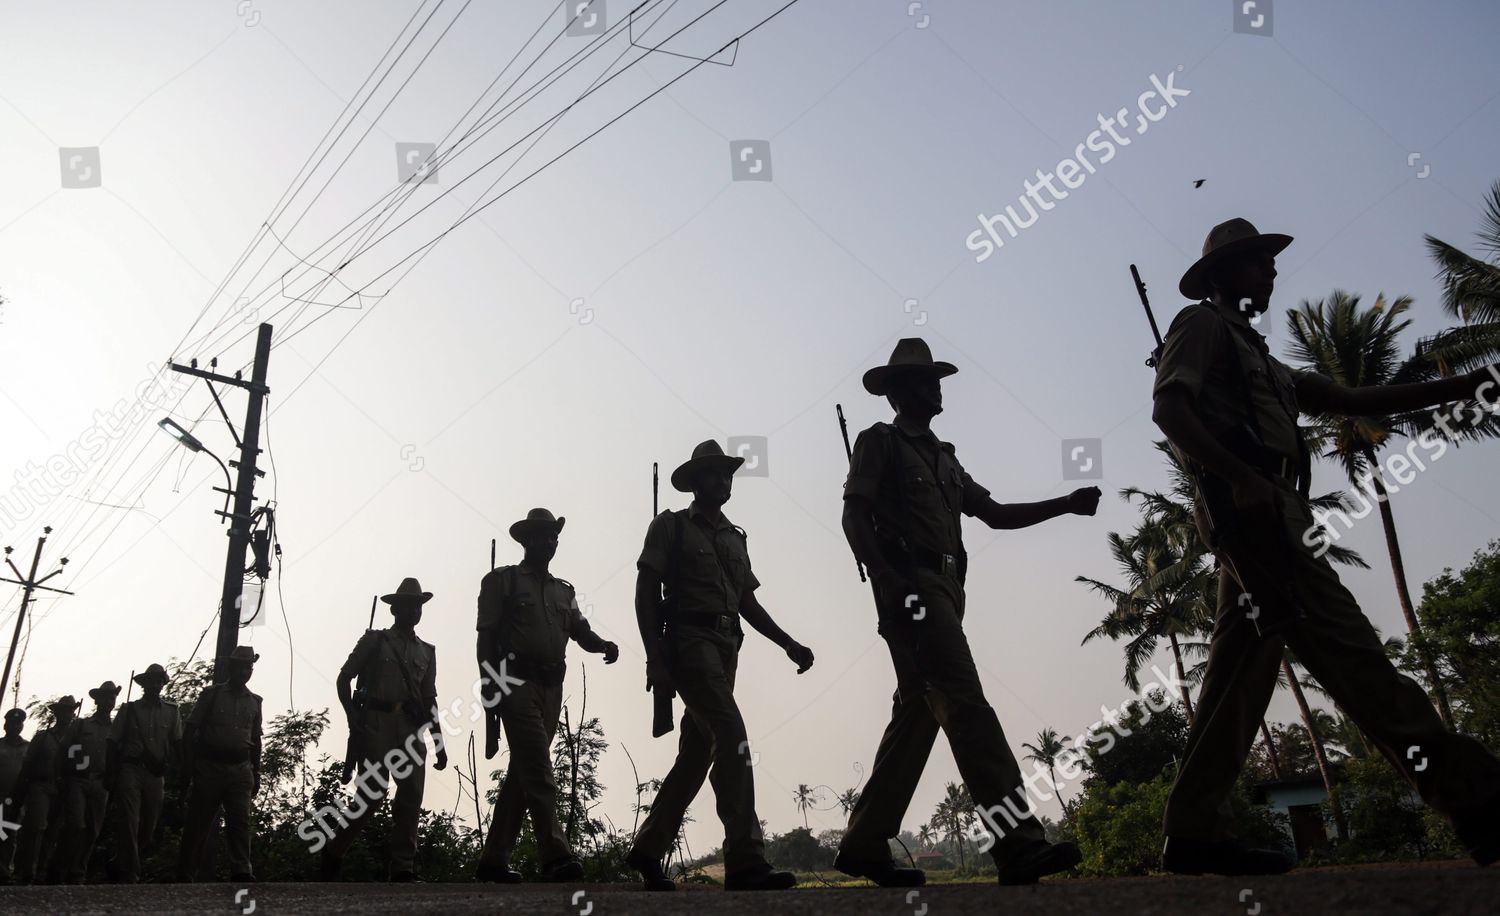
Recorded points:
(30, 583)
(239, 518)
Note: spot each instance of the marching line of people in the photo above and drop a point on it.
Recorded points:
(1226, 405)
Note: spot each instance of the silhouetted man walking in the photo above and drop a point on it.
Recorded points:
(83, 788)
(903, 504)
(1231, 408)
(43, 820)
(146, 735)
(12, 755)
(699, 556)
(526, 617)
(222, 747)
(397, 675)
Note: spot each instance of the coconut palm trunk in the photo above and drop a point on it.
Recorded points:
(1265, 734)
(1187, 701)
(1339, 826)
(1403, 594)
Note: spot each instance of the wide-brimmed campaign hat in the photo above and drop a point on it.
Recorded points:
(109, 687)
(1235, 236)
(408, 592)
(911, 355)
(537, 520)
(242, 654)
(63, 702)
(154, 674)
(706, 454)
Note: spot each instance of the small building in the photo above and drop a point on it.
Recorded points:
(935, 861)
(1301, 799)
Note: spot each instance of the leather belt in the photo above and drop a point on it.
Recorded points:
(944, 564)
(722, 623)
(381, 705)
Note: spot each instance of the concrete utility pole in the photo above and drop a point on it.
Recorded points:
(240, 522)
(30, 583)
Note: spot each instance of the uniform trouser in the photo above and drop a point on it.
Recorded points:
(712, 744)
(83, 805)
(215, 785)
(529, 714)
(137, 797)
(937, 686)
(394, 750)
(1339, 647)
(40, 827)
(10, 812)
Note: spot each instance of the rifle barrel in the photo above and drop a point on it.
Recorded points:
(1140, 287)
(849, 454)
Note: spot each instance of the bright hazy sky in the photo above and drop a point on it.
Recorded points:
(632, 299)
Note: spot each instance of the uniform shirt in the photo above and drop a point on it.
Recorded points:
(713, 573)
(12, 753)
(43, 756)
(917, 488)
(144, 729)
(386, 661)
(1193, 358)
(532, 613)
(227, 719)
(86, 747)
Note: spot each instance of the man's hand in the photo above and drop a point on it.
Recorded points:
(611, 653)
(442, 759)
(657, 675)
(1084, 501)
(800, 654)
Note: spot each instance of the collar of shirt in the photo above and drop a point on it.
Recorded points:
(698, 513)
(536, 573)
(908, 429)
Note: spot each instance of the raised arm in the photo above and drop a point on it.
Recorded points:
(1317, 394)
(1083, 501)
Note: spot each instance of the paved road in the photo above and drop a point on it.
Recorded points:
(1454, 888)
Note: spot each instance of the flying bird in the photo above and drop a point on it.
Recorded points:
(1198, 183)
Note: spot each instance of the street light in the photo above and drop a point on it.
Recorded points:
(190, 442)
(170, 427)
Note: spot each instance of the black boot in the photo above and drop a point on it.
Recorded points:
(1038, 859)
(884, 872)
(651, 871)
(760, 878)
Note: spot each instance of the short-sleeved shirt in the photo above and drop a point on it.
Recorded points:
(387, 661)
(712, 573)
(533, 614)
(227, 719)
(12, 754)
(44, 755)
(1193, 358)
(145, 729)
(86, 747)
(916, 486)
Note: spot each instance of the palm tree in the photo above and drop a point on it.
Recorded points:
(1359, 347)
(926, 835)
(805, 797)
(1046, 750)
(847, 799)
(952, 816)
(1160, 599)
(1471, 287)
